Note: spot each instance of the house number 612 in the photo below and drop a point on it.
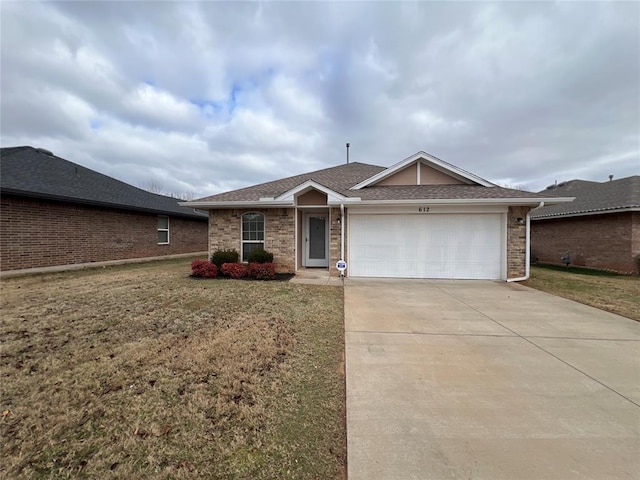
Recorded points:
(423, 209)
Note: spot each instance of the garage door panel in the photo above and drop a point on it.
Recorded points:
(426, 246)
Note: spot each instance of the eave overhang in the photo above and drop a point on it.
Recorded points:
(356, 201)
(534, 202)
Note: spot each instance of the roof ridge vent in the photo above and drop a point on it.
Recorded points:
(45, 151)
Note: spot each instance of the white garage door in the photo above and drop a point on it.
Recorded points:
(465, 246)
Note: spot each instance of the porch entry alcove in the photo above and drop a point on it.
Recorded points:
(313, 227)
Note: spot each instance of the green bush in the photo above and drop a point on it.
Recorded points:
(260, 256)
(224, 256)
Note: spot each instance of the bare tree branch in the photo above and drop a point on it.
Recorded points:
(155, 187)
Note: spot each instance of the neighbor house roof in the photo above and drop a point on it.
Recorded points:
(593, 197)
(357, 183)
(37, 173)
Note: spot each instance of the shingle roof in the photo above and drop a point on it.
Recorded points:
(593, 197)
(33, 172)
(341, 178)
(433, 192)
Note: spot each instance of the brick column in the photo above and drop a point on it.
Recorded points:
(516, 241)
(334, 239)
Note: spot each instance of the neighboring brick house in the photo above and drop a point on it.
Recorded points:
(55, 212)
(420, 218)
(600, 229)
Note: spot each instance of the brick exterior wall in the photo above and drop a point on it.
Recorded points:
(334, 239)
(225, 233)
(604, 241)
(40, 233)
(516, 242)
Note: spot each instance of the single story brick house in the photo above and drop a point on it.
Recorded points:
(55, 212)
(420, 218)
(600, 229)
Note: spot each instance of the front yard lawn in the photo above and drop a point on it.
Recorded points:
(613, 293)
(141, 372)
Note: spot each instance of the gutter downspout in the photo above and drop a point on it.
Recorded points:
(342, 234)
(527, 261)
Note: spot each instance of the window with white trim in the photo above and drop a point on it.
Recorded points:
(163, 230)
(252, 233)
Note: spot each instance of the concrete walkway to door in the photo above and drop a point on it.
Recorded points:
(487, 380)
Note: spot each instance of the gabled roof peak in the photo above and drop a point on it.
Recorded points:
(431, 161)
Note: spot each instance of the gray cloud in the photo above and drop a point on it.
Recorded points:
(206, 97)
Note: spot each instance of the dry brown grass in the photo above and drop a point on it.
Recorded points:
(613, 293)
(142, 372)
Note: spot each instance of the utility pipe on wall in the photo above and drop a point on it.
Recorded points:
(527, 260)
(342, 231)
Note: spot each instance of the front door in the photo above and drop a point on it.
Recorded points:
(316, 240)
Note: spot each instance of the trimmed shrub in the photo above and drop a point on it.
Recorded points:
(262, 271)
(234, 270)
(221, 257)
(203, 269)
(260, 256)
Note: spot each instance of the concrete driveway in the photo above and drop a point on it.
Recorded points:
(487, 380)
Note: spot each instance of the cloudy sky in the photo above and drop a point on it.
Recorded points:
(206, 97)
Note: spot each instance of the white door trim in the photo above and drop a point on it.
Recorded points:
(311, 262)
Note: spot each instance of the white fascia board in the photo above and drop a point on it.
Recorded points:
(308, 185)
(555, 200)
(337, 200)
(469, 201)
(429, 160)
(344, 200)
(238, 204)
(420, 209)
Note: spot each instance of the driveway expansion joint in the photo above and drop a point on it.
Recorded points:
(539, 347)
(553, 337)
(439, 334)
